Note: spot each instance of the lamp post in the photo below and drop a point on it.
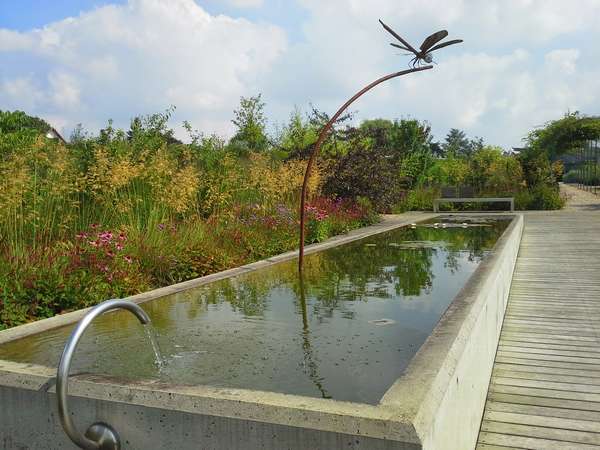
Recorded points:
(53, 134)
(319, 143)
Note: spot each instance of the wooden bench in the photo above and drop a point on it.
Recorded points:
(466, 195)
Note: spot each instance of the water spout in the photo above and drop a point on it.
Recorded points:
(99, 436)
(159, 361)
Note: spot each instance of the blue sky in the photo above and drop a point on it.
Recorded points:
(23, 15)
(523, 62)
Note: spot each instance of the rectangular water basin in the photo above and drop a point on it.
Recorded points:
(260, 341)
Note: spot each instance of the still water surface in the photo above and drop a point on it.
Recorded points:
(347, 331)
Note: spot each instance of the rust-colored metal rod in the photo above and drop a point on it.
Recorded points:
(320, 141)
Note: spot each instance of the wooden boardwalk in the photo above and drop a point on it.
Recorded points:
(545, 387)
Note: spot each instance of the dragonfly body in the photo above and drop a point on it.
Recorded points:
(429, 45)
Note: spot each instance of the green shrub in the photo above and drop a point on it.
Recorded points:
(541, 197)
(572, 176)
(419, 199)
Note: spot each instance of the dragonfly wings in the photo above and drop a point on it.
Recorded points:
(399, 46)
(433, 39)
(445, 44)
(407, 46)
(430, 44)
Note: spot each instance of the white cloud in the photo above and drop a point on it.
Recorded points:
(118, 61)
(21, 91)
(246, 3)
(13, 41)
(564, 60)
(65, 90)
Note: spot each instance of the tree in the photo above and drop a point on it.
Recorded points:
(457, 144)
(400, 137)
(15, 121)
(251, 123)
(564, 135)
(297, 137)
(152, 127)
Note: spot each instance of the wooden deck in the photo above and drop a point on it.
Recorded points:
(545, 387)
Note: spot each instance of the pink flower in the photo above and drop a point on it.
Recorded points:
(129, 259)
(81, 235)
(161, 226)
(122, 237)
(94, 226)
(106, 236)
(95, 243)
(119, 246)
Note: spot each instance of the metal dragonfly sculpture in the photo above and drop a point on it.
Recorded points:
(424, 54)
(428, 45)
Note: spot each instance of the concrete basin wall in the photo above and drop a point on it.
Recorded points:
(437, 404)
(445, 387)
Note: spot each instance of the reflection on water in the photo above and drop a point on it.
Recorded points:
(347, 330)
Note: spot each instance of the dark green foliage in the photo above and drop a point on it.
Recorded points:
(537, 168)
(369, 173)
(458, 145)
(541, 197)
(400, 137)
(152, 129)
(15, 121)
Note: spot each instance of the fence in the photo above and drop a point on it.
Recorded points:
(586, 167)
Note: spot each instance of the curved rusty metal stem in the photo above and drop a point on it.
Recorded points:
(320, 141)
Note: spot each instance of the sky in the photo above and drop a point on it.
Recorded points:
(522, 63)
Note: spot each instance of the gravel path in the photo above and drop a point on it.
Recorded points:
(578, 199)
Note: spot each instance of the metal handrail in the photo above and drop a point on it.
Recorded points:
(99, 436)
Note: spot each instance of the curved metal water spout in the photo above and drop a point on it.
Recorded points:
(98, 436)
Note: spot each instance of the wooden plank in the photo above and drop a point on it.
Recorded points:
(495, 447)
(541, 363)
(547, 393)
(562, 317)
(550, 345)
(516, 368)
(542, 421)
(531, 443)
(554, 325)
(555, 434)
(533, 329)
(543, 401)
(544, 384)
(526, 335)
(505, 347)
(573, 414)
(595, 362)
(552, 376)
